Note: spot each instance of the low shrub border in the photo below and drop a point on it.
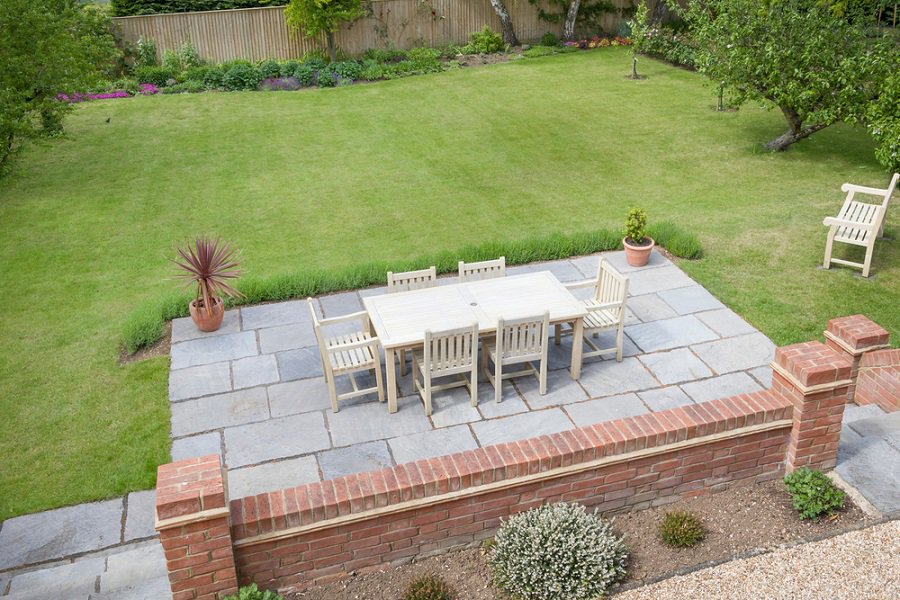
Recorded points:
(146, 325)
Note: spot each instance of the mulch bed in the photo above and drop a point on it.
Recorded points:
(738, 520)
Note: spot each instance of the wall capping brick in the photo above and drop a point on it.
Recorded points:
(809, 389)
(857, 334)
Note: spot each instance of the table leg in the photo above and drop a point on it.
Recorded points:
(389, 355)
(577, 347)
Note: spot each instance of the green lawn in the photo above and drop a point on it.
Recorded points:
(327, 178)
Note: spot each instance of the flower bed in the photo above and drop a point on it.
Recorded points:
(144, 89)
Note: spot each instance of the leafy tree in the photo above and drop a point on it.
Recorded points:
(313, 17)
(47, 47)
(808, 58)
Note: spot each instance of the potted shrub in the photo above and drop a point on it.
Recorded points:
(209, 263)
(637, 244)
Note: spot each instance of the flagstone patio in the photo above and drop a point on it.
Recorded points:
(254, 391)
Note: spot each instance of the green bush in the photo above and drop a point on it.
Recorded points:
(326, 79)
(426, 60)
(288, 68)
(813, 493)
(636, 225)
(251, 592)
(371, 71)
(125, 8)
(146, 324)
(346, 70)
(172, 61)
(214, 78)
(549, 39)
(557, 552)
(269, 69)
(384, 55)
(316, 59)
(486, 41)
(428, 587)
(197, 73)
(536, 51)
(241, 76)
(189, 56)
(158, 76)
(681, 529)
(145, 53)
(305, 74)
(191, 86)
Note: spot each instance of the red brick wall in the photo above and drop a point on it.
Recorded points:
(854, 336)
(879, 379)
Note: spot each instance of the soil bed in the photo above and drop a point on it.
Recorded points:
(738, 520)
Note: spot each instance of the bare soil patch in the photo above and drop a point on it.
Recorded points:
(738, 520)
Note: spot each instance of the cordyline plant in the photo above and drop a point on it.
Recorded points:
(209, 263)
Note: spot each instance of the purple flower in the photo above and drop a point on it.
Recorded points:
(148, 89)
(275, 84)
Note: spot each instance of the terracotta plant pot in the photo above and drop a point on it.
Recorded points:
(638, 255)
(205, 321)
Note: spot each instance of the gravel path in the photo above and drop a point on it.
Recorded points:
(860, 564)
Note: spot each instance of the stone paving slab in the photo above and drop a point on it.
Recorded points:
(521, 426)
(61, 532)
(254, 371)
(203, 380)
(879, 426)
(269, 477)
(276, 314)
(140, 515)
(667, 334)
(648, 281)
(650, 307)
(338, 305)
(224, 410)
(286, 337)
(197, 445)
(587, 413)
(294, 397)
(275, 438)
(675, 366)
(134, 566)
(721, 387)
(725, 322)
(665, 398)
(561, 389)
(609, 378)
(371, 421)
(738, 353)
(370, 456)
(153, 589)
(184, 329)
(763, 375)
(874, 470)
(213, 349)
(301, 363)
(429, 444)
(690, 299)
(69, 581)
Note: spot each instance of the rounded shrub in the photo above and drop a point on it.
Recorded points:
(813, 493)
(549, 39)
(158, 76)
(214, 78)
(241, 76)
(557, 552)
(681, 529)
(269, 69)
(428, 587)
(314, 62)
(288, 68)
(348, 69)
(305, 74)
(326, 79)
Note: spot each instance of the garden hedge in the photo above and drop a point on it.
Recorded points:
(127, 8)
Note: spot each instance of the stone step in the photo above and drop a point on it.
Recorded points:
(152, 589)
(878, 426)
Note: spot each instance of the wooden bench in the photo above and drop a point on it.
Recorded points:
(858, 223)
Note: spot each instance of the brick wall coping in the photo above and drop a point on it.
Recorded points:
(285, 513)
(857, 334)
(813, 367)
(881, 359)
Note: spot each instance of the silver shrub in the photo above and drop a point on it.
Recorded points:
(557, 552)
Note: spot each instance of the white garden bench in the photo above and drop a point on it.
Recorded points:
(858, 223)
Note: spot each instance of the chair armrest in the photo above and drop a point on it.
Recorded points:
(850, 187)
(604, 305)
(344, 318)
(354, 345)
(580, 284)
(835, 222)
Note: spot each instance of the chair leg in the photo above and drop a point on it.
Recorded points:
(379, 378)
(498, 380)
(332, 391)
(868, 262)
(473, 384)
(542, 379)
(557, 333)
(402, 363)
(427, 396)
(829, 242)
(620, 340)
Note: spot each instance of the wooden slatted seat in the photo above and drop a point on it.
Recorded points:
(452, 352)
(347, 353)
(606, 309)
(518, 341)
(486, 269)
(406, 281)
(858, 223)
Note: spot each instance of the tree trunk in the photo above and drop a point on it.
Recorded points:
(569, 28)
(332, 50)
(796, 132)
(660, 13)
(506, 26)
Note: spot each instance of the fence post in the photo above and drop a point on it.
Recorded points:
(194, 526)
(853, 336)
(815, 378)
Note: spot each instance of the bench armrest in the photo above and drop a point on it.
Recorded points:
(835, 222)
(851, 187)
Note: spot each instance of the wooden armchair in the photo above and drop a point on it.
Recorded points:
(447, 353)
(518, 341)
(486, 269)
(606, 310)
(858, 223)
(347, 354)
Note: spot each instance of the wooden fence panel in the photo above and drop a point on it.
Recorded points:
(260, 33)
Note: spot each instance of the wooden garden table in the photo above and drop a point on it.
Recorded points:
(400, 320)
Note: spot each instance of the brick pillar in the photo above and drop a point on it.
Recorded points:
(815, 378)
(194, 526)
(854, 336)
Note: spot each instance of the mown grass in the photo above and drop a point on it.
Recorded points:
(320, 181)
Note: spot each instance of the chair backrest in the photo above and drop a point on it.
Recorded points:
(524, 338)
(411, 280)
(451, 351)
(320, 336)
(611, 286)
(486, 269)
